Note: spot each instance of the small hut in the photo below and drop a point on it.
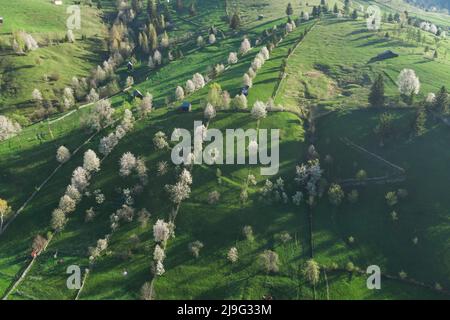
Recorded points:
(245, 90)
(130, 66)
(185, 107)
(137, 94)
(57, 2)
(1, 21)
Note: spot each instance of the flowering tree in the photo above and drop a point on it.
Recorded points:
(233, 255)
(259, 110)
(179, 93)
(190, 86)
(240, 102)
(160, 140)
(90, 161)
(232, 58)
(212, 38)
(80, 178)
(8, 128)
(312, 271)
(247, 81)
(127, 164)
(245, 46)
(210, 112)
(269, 261)
(157, 58)
(161, 231)
(101, 116)
(146, 105)
(107, 144)
(198, 81)
(59, 220)
(408, 82)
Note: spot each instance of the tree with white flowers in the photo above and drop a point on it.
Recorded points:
(59, 220)
(312, 271)
(92, 96)
(80, 178)
(245, 46)
(212, 38)
(233, 255)
(269, 261)
(146, 105)
(179, 93)
(157, 58)
(67, 204)
(160, 140)
(101, 116)
(200, 41)
(73, 193)
(232, 58)
(90, 161)
(159, 254)
(68, 98)
(107, 144)
(240, 102)
(265, 52)
(37, 96)
(408, 83)
(178, 192)
(190, 86)
(161, 231)
(62, 154)
(259, 110)
(210, 112)
(198, 81)
(247, 81)
(127, 163)
(8, 128)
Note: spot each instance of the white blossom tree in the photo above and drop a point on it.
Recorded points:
(107, 144)
(160, 140)
(80, 178)
(179, 93)
(212, 38)
(233, 255)
(210, 112)
(101, 116)
(232, 58)
(157, 58)
(247, 80)
(62, 154)
(408, 82)
(245, 46)
(127, 163)
(161, 231)
(240, 102)
(8, 128)
(90, 161)
(198, 81)
(259, 110)
(190, 86)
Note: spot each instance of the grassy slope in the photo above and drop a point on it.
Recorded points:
(45, 20)
(331, 67)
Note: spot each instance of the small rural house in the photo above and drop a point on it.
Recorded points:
(57, 2)
(1, 21)
(185, 107)
(245, 90)
(137, 94)
(130, 66)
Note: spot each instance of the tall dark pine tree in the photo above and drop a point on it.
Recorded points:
(335, 8)
(420, 121)
(376, 96)
(442, 101)
(289, 10)
(235, 21)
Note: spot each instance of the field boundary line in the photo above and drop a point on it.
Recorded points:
(25, 272)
